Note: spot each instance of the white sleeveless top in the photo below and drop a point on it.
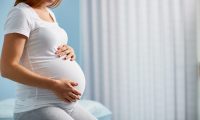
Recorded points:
(39, 56)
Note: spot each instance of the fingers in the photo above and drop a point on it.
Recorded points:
(73, 96)
(70, 97)
(72, 89)
(73, 58)
(68, 56)
(65, 90)
(74, 83)
(63, 53)
(76, 92)
(67, 51)
(62, 48)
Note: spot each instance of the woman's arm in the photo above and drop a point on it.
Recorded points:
(10, 68)
(13, 47)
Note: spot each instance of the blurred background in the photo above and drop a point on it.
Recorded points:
(140, 57)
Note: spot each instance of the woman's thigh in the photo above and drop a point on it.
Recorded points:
(79, 113)
(44, 113)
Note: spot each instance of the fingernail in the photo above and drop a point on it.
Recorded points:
(76, 84)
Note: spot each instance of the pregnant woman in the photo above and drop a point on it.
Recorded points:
(48, 87)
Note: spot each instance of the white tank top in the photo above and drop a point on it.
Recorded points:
(39, 56)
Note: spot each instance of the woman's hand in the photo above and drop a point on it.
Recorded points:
(65, 90)
(67, 51)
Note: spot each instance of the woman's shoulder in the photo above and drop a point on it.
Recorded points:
(19, 20)
(21, 10)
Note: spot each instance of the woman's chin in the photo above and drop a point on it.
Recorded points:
(49, 2)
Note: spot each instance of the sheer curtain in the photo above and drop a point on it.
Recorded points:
(140, 57)
(198, 51)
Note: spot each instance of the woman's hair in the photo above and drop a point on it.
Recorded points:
(36, 3)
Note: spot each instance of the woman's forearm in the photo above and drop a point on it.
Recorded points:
(20, 74)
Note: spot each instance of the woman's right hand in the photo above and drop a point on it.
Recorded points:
(65, 90)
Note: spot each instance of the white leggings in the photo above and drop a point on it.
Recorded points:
(55, 113)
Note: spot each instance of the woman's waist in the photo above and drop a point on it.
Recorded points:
(32, 94)
(26, 91)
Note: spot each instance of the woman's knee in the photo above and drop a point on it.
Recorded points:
(79, 113)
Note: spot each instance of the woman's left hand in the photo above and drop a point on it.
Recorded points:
(66, 51)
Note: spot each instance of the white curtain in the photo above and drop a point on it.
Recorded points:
(140, 57)
(198, 51)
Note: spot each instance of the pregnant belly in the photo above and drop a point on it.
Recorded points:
(61, 69)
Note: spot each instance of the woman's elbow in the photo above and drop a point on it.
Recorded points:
(6, 70)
